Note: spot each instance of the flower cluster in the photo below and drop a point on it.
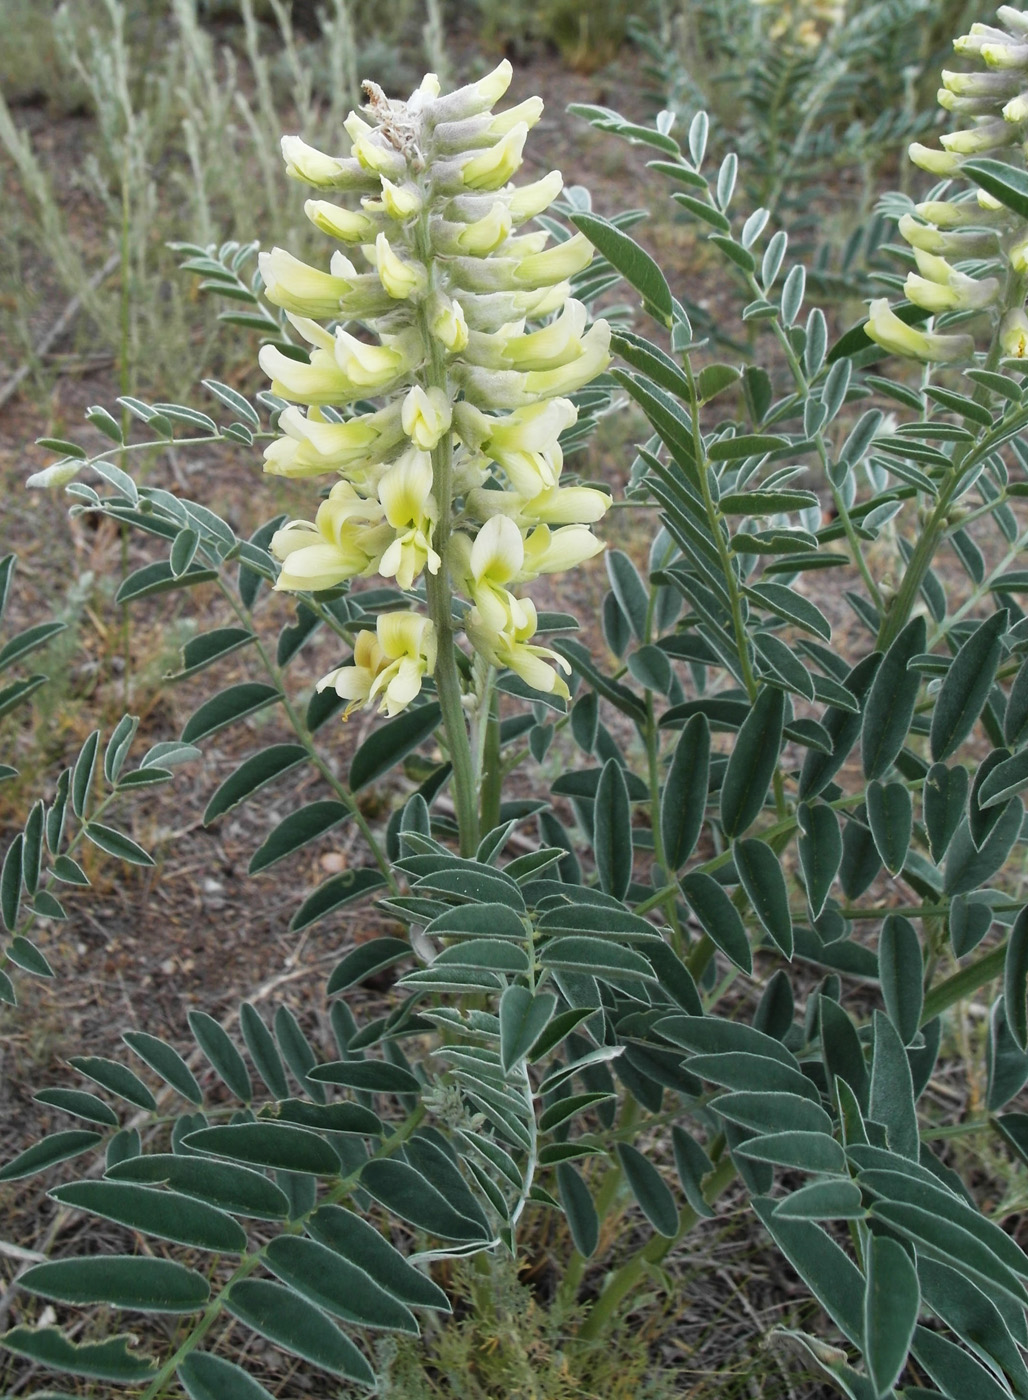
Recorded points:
(970, 226)
(803, 23)
(457, 474)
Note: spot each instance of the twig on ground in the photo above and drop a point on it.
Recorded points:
(58, 328)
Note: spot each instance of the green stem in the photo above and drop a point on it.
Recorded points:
(623, 1280)
(492, 765)
(440, 605)
(963, 983)
(653, 767)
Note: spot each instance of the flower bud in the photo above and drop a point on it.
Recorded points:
(935, 162)
(447, 323)
(344, 224)
(400, 201)
(943, 288)
(303, 162)
(993, 85)
(473, 99)
(528, 112)
(965, 106)
(297, 287)
(949, 214)
(57, 474)
(486, 234)
(556, 344)
(400, 279)
(963, 244)
(1018, 255)
(970, 45)
(989, 136)
(1005, 54)
(555, 264)
(1015, 20)
(495, 167)
(373, 367)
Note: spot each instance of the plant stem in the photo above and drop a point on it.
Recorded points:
(623, 1280)
(491, 782)
(440, 607)
(963, 983)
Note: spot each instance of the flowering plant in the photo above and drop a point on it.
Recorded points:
(612, 997)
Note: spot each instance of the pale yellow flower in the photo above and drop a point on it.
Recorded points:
(345, 539)
(886, 328)
(405, 493)
(426, 416)
(511, 647)
(300, 288)
(388, 664)
(312, 446)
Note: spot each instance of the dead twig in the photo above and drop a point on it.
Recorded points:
(58, 328)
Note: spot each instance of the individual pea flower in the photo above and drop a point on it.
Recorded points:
(405, 493)
(886, 328)
(304, 163)
(549, 551)
(524, 444)
(1013, 335)
(312, 446)
(347, 225)
(511, 646)
(939, 287)
(302, 289)
(389, 664)
(557, 505)
(426, 415)
(347, 537)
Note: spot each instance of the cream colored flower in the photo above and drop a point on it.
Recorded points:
(312, 446)
(492, 169)
(400, 278)
(344, 540)
(388, 664)
(426, 416)
(511, 647)
(886, 328)
(313, 167)
(405, 493)
(300, 288)
(1013, 335)
(345, 224)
